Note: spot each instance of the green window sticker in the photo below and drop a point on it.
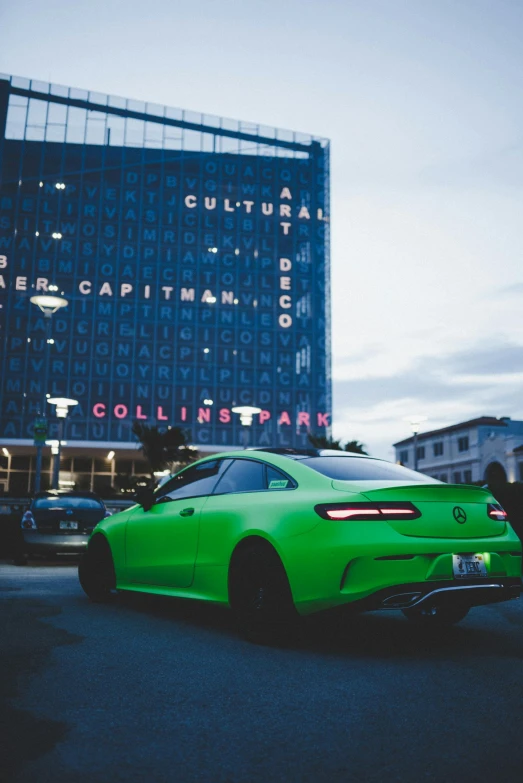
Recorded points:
(278, 484)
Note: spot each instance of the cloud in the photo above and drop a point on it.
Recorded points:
(434, 378)
(482, 380)
(508, 290)
(420, 384)
(489, 360)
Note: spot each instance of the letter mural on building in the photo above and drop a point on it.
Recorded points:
(201, 279)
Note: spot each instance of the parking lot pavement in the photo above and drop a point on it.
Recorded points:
(151, 689)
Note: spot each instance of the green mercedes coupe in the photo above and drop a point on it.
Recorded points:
(281, 533)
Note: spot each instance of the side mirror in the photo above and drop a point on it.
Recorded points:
(145, 498)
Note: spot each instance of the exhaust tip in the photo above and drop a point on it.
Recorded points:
(400, 601)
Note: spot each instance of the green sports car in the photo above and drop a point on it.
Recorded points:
(279, 533)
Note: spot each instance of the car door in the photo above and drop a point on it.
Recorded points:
(161, 544)
(248, 490)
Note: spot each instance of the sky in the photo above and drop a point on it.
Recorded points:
(422, 102)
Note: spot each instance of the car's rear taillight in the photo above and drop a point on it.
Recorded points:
(358, 512)
(495, 511)
(28, 521)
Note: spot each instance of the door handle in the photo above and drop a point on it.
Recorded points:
(187, 512)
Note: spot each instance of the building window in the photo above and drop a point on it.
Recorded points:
(82, 481)
(457, 477)
(463, 443)
(66, 464)
(102, 465)
(404, 456)
(438, 448)
(20, 462)
(82, 464)
(420, 452)
(443, 477)
(19, 484)
(123, 466)
(467, 476)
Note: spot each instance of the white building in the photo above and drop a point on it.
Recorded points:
(481, 449)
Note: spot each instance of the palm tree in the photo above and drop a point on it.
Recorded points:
(322, 442)
(162, 449)
(356, 447)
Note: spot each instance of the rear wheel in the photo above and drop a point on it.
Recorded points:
(96, 570)
(437, 616)
(260, 595)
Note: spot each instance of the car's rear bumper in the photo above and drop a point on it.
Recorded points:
(471, 592)
(341, 564)
(474, 592)
(47, 543)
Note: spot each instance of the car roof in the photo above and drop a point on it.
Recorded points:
(290, 453)
(304, 453)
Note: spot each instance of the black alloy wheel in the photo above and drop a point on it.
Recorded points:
(96, 571)
(261, 597)
(438, 616)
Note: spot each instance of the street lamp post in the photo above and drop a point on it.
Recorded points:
(246, 413)
(62, 408)
(415, 423)
(48, 304)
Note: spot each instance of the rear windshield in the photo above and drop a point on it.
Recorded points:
(357, 469)
(66, 501)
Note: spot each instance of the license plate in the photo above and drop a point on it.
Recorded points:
(467, 566)
(68, 525)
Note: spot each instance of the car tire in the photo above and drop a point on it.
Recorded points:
(261, 597)
(437, 616)
(96, 571)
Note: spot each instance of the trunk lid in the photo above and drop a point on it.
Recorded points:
(438, 504)
(48, 519)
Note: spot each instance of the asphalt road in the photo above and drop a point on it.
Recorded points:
(148, 689)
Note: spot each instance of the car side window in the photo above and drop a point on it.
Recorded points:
(195, 481)
(278, 480)
(244, 475)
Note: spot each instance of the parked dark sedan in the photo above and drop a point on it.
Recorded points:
(59, 521)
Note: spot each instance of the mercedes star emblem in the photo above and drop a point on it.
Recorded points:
(459, 515)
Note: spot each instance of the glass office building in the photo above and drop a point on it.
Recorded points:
(194, 254)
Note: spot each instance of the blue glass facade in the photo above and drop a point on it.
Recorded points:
(194, 252)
